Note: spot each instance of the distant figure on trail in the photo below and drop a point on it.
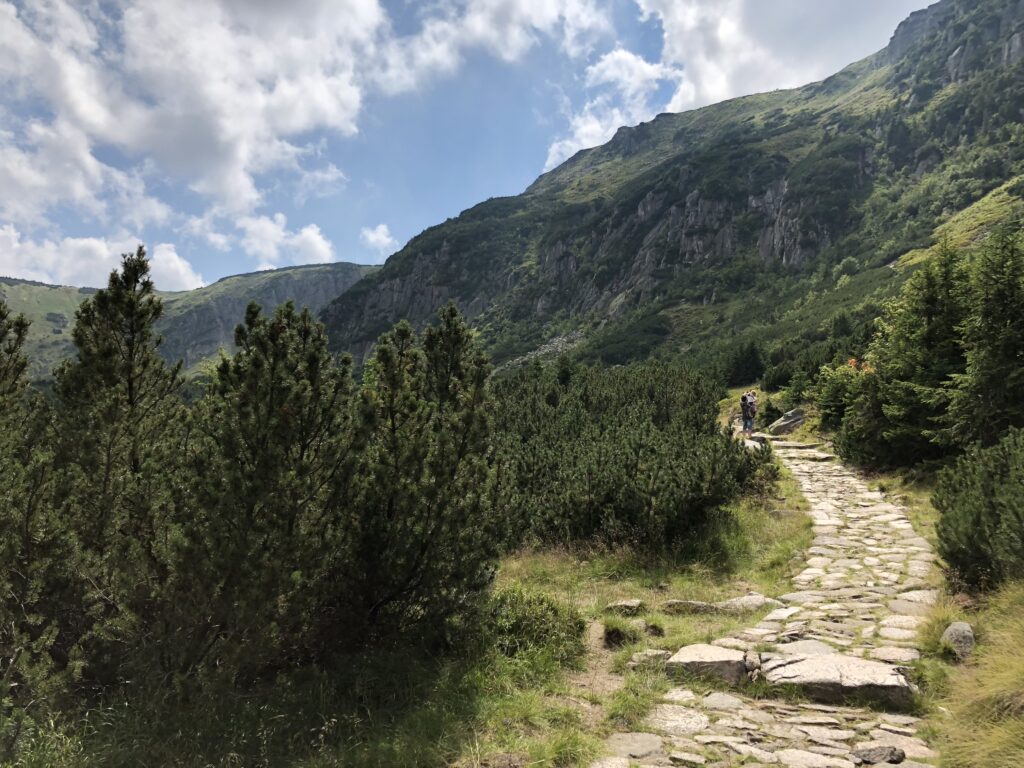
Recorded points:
(748, 409)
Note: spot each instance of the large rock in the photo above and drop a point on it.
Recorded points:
(789, 421)
(805, 648)
(959, 637)
(709, 661)
(835, 677)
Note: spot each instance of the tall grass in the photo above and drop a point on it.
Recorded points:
(985, 725)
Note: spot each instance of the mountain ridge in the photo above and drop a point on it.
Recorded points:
(196, 324)
(864, 164)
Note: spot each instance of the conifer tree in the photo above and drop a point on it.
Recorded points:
(121, 426)
(917, 353)
(423, 537)
(277, 445)
(36, 590)
(987, 398)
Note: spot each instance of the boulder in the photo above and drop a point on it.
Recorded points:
(719, 700)
(959, 637)
(625, 607)
(881, 754)
(651, 630)
(704, 660)
(789, 421)
(835, 677)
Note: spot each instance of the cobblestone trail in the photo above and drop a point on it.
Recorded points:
(845, 631)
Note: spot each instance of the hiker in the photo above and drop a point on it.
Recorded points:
(748, 419)
(752, 406)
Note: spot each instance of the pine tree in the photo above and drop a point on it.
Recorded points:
(121, 428)
(986, 402)
(424, 537)
(917, 353)
(37, 589)
(277, 443)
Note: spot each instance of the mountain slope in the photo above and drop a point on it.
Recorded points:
(196, 324)
(703, 226)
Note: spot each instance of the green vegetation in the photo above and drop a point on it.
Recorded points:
(985, 724)
(297, 567)
(981, 502)
(632, 455)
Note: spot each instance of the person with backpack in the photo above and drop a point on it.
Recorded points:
(748, 418)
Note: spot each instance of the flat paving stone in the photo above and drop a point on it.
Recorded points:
(634, 745)
(677, 720)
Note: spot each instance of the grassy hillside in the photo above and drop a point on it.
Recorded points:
(196, 324)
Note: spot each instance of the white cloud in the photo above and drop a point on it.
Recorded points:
(722, 59)
(171, 272)
(379, 239)
(627, 82)
(268, 239)
(87, 261)
(319, 182)
(506, 29)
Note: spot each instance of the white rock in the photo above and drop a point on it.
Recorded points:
(709, 660)
(833, 677)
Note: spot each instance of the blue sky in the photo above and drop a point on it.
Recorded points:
(234, 135)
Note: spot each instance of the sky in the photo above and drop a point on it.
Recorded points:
(236, 135)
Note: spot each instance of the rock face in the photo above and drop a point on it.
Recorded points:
(789, 421)
(835, 677)
(703, 660)
(959, 636)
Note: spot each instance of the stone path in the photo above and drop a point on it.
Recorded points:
(843, 633)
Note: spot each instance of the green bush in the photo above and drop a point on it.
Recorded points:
(981, 503)
(523, 621)
(630, 456)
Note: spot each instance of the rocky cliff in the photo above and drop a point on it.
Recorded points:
(689, 208)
